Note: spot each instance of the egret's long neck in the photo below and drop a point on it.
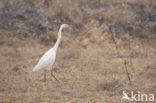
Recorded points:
(58, 39)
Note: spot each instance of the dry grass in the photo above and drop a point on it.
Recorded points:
(90, 71)
(110, 48)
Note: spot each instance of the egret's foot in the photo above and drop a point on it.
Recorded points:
(44, 77)
(54, 77)
(42, 80)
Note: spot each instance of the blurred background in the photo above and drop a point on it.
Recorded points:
(110, 48)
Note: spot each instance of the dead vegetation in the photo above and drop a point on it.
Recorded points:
(94, 73)
(102, 55)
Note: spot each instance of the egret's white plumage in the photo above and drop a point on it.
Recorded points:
(48, 59)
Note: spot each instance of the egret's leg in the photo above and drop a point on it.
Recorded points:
(45, 76)
(54, 76)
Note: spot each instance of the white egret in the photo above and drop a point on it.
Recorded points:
(48, 59)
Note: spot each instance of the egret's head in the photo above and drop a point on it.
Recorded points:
(65, 25)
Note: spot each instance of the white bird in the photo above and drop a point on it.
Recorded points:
(125, 96)
(48, 59)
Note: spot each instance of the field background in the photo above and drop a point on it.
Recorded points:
(110, 48)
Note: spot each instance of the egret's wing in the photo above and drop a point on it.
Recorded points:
(46, 60)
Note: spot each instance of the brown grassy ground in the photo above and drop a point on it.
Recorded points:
(91, 69)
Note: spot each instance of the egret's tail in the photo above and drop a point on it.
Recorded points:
(37, 67)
